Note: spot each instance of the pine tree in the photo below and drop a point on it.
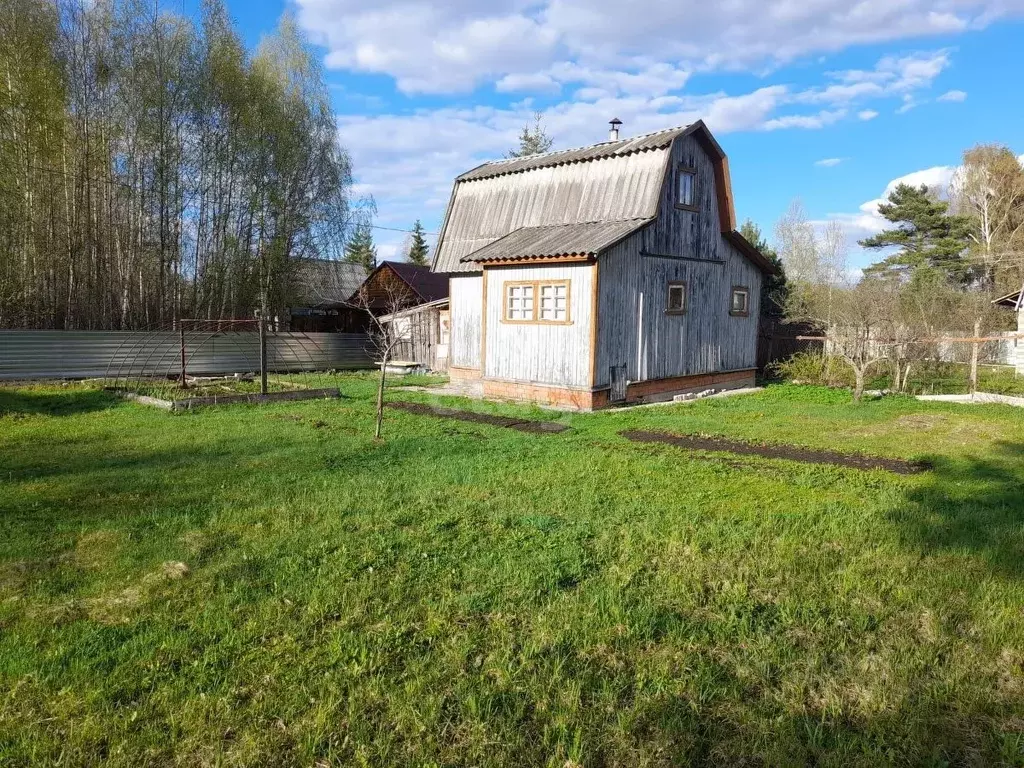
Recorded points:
(773, 288)
(418, 248)
(927, 236)
(361, 250)
(532, 141)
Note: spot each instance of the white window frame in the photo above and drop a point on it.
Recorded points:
(738, 290)
(556, 312)
(672, 286)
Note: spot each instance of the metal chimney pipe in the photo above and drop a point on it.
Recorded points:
(613, 133)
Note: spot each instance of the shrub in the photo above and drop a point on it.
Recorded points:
(814, 368)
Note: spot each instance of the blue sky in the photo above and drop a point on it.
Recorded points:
(827, 101)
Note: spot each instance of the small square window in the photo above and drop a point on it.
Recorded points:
(519, 302)
(554, 302)
(685, 188)
(740, 302)
(676, 303)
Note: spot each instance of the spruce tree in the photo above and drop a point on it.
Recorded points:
(928, 237)
(418, 248)
(773, 288)
(361, 250)
(532, 141)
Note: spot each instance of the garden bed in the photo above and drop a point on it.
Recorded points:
(188, 403)
(788, 452)
(523, 425)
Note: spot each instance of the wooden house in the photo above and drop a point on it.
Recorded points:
(395, 285)
(413, 301)
(607, 274)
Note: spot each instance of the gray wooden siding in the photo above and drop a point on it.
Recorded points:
(465, 298)
(422, 331)
(687, 233)
(600, 190)
(541, 353)
(633, 329)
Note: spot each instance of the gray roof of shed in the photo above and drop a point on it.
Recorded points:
(558, 240)
(325, 282)
(657, 140)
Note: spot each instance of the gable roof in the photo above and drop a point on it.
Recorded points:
(604, 149)
(562, 241)
(613, 181)
(422, 282)
(428, 285)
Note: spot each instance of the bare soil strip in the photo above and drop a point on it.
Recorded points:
(248, 397)
(523, 425)
(789, 452)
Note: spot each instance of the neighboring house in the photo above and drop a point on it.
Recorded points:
(397, 285)
(607, 274)
(321, 291)
(414, 302)
(1015, 302)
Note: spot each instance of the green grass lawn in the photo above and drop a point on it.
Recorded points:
(266, 585)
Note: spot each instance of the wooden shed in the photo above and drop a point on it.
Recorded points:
(606, 274)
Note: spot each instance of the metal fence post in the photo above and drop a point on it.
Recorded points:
(263, 355)
(181, 338)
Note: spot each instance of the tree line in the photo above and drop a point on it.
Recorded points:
(947, 255)
(152, 168)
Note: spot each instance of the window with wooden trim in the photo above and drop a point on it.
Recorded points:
(675, 302)
(519, 301)
(537, 301)
(554, 298)
(739, 303)
(686, 188)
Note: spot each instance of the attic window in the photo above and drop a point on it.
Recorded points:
(676, 303)
(739, 304)
(686, 183)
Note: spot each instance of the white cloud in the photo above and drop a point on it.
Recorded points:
(537, 82)
(455, 45)
(908, 104)
(953, 96)
(892, 76)
(819, 120)
(867, 114)
(829, 162)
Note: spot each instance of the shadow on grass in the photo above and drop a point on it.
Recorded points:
(53, 402)
(970, 504)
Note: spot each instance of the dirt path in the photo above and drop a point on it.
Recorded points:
(790, 452)
(523, 425)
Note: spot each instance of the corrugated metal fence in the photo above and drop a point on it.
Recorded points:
(91, 354)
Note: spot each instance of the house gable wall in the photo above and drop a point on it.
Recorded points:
(634, 329)
(676, 232)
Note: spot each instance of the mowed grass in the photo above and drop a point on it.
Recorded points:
(266, 585)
